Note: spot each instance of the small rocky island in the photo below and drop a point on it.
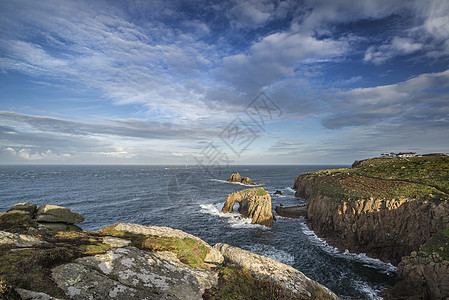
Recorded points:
(395, 209)
(254, 203)
(237, 178)
(131, 261)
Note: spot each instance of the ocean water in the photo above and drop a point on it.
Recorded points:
(190, 200)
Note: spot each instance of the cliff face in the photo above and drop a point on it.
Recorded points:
(421, 278)
(253, 203)
(385, 229)
(389, 209)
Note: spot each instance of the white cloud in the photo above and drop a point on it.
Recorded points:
(398, 46)
(416, 100)
(251, 14)
(275, 56)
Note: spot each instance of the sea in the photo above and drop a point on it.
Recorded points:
(190, 199)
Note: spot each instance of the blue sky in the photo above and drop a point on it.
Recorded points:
(163, 82)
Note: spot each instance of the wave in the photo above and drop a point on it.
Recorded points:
(234, 219)
(367, 261)
(272, 252)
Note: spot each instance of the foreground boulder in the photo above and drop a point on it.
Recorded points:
(131, 273)
(287, 276)
(213, 256)
(26, 208)
(237, 178)
(57, 214)
(253, 203)
(47, 217)
(131, 261)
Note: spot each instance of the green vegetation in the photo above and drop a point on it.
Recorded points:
(16, 222)
(429, 170)
(238, 283)
(258, 191)
(30, 268)
(188, 251)
(387, 178)
(439, 244)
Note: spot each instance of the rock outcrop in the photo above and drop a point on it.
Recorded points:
(131, 273)
(292, 211)
(267, 268)
(213, 256)
(237, 178)
(49, 217)
(385, 229)
(388, 209)
(253, 203)
(18, 240)
(26, 208)
(421, 278)
(131, 261)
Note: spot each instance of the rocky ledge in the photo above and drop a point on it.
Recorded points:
(237, 178)
(131, 261)
(292, 211)
(386, 208)
(253, 203)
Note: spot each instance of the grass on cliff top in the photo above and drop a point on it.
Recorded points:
(188, 250)
(258, 191)
(387, 178)
(439, 243)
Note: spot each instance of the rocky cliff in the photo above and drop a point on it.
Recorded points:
(253, 203)
(385, 208)
(131, 261)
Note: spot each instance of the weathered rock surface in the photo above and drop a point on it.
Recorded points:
(18, 240)
(253, 203)
(213, 257)
(30, 295)
(58, 226)
(243, 180)
(27, 208)
(421, 278)
(57, 214)
(292, 211)
(130, 273)
(115, 242)
(264, 267)
(385, 229)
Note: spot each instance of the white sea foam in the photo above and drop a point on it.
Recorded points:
(368, 290)
(271, 252)
(234, 219)
(290, 190)
(367, 261)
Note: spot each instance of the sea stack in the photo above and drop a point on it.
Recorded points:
(237, 178)
(254, 203)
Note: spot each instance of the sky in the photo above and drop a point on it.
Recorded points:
(217, 83)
